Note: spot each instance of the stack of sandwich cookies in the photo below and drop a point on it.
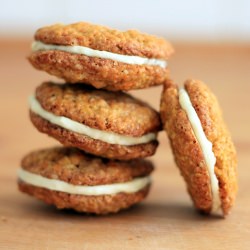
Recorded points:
(105, 133)
(202, 146)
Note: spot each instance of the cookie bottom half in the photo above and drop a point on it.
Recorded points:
(98, 72)
(101, 204)
(92, 146)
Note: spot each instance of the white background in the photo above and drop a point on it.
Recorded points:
(214, 20)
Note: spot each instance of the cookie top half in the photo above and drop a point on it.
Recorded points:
(202, 145)
(102, 38)
(78, 168)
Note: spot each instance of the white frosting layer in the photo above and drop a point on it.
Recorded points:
(205, 144)
(37, 46)
(62, 186)
(93, 133)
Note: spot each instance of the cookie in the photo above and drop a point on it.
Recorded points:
(71, 179)
(100, 56)
(202, 146)
(109, 124)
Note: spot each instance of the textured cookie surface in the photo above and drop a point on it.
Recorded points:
(117, 113)
(187, 151)
(98, 72)
(102, 204)
(107, 111)
(75, 167)
(102, 72)
(210, 115)
(98, 37)
(93, 146)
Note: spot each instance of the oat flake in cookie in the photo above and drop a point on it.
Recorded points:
(100, 56)
(202, 145)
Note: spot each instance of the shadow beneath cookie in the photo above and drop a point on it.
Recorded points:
(37, 208)
(144, 211)
(173, 211)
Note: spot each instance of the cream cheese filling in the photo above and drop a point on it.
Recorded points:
(205, 144)
(93, 133)
(82, 50)
(108, 189)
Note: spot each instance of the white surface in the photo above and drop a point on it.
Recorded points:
(194, 19)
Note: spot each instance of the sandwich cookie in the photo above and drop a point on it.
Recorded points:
(69, 178)
(107, 124)
(100, 56)
(202, 146)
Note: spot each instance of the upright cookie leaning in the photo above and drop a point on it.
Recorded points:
(69, 178)
(107, 124)
(202, 146)
(100, 56)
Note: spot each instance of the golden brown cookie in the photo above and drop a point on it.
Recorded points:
(108, 124)
(69, 178)
(202, 146)
(100, 56)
